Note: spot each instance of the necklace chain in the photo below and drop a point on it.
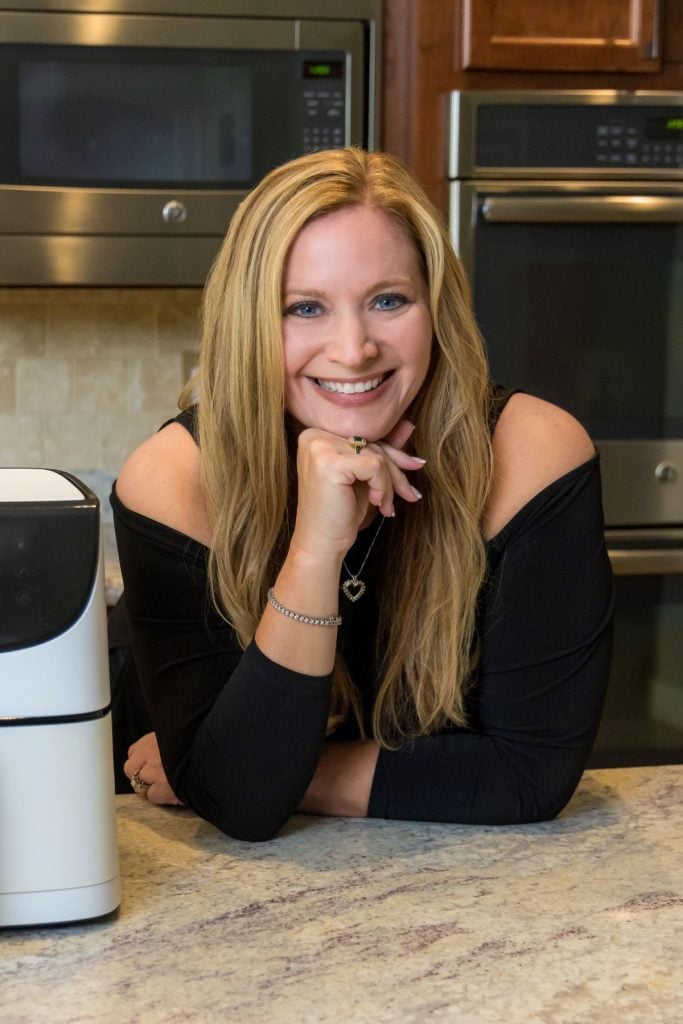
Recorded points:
(354, 587)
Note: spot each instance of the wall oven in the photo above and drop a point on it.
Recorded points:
(131, 129)
(567, 210)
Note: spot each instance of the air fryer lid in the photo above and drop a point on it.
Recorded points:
(49, 545)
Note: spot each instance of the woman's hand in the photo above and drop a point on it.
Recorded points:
(144, 761)
(337, 490)
(337, 487)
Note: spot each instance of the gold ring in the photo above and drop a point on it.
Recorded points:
(357, 443)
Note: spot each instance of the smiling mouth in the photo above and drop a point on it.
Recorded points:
(351, 387)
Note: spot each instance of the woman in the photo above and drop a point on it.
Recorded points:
(360, 580)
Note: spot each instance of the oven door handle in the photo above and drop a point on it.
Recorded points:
(586, 209)
(646, 561)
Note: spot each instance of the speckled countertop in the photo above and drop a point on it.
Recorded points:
(347, 921)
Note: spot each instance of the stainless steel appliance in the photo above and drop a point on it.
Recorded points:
(131, 129)
(58, 851)
(567, 210)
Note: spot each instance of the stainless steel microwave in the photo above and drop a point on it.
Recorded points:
(131, 129)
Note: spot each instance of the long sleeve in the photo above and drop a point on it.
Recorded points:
(239, 735)
(545, 640)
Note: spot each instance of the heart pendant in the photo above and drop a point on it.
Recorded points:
(353, 589)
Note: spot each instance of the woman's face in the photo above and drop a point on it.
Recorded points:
(356, 323)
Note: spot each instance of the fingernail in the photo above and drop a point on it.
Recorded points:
(416, 458)
(416, 492)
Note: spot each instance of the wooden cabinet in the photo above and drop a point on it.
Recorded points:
(562, 35)
(434, 46)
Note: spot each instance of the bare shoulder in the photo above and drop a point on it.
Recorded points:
(534, 443)
(161, 480)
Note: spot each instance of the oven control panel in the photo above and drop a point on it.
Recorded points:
(656, 142)
(561, 133)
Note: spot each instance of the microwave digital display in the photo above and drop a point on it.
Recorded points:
(323, 69)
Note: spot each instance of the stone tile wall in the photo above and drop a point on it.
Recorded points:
(86, 374)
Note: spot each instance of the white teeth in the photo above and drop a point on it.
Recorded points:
(348, 388)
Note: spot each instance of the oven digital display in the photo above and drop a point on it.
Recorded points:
(664, 127)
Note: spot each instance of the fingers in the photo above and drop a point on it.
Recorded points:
(337, 485)
(401, 485)
(162, 794)
(131, 766)
(400, 434)
(143, 751)
(144, 766)
(401, 458)
(379, 466)
(155, 786)
(159, 791)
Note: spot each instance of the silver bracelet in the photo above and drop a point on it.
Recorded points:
(330, 620)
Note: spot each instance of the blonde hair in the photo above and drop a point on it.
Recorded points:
(427, 617)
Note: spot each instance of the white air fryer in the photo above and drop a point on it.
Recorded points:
(58, 851)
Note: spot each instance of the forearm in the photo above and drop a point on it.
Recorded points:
(254, 754)
(309, 586)
(342, 781)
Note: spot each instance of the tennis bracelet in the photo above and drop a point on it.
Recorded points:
(330, 620)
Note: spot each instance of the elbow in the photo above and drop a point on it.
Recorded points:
(546, 802)
(251, 828)
(544, 811)
(247, 821)
(249, 834)
(247, 828)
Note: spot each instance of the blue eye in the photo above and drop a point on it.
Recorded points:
(390, 302)
(307, 310)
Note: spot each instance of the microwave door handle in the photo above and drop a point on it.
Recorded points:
(646, 561)
(582, 209)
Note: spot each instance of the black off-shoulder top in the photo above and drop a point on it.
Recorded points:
(240, 736)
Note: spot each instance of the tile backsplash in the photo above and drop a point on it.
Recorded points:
(86, 374)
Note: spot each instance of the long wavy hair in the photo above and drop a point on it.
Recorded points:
(427, 616)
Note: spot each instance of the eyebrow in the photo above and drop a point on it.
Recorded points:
(316, 293)
(312, 293)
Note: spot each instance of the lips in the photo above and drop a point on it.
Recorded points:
(350, 387)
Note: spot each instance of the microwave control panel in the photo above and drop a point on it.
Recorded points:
(323, 94)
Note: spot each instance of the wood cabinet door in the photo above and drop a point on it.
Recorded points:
(561, 35)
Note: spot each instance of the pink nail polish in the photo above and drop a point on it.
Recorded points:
(416, 492)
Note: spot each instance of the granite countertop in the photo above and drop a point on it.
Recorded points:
(345, 921)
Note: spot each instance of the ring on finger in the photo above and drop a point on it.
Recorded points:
(138, 783)
(357, 443)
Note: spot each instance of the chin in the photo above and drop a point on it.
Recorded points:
(354, 426)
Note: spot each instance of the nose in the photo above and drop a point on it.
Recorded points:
(351, 344)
